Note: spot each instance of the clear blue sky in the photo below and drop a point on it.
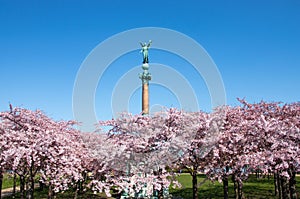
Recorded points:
(255, 45)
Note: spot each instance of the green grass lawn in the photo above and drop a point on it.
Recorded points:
(9, 181)
(253, 188)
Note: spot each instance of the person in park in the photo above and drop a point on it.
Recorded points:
(144, 50)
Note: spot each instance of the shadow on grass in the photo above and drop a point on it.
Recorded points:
(217, 193)
(187, 193)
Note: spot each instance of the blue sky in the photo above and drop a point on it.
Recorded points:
(255, 45)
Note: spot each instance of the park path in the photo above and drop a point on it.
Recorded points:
(8, 191)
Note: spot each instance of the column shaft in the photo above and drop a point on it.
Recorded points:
(145, 99)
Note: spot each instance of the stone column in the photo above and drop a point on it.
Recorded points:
(145, 99)
(145, 77)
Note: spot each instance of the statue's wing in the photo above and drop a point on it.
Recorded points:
(141, 44)
(150, 41)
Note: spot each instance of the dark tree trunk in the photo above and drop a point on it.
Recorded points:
(1, 179)
(195, 186)
(80, 191)
(279, 186)
(30, 188)
(14, 185)
(225, 187)
(275, 184)
(76, 191)
(285, 188)
(22, 187)
(225, 183)
(27, 194)
(161, 193)
(240, 189)
(83, 182)
(50, 192)
(238, 194)
(235, 186)
(41, 185)
(256, 174)
(292, 182)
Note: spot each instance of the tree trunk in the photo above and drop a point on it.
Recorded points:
(76, 192)
(279, 186)
(256, 174)
(275, 184)
(238, 194)
(161, 193)
(31, 188)
(292, 182)
(80, 191)
(50, 192)
(1, 179)
(27, 194)
(225, 187)
(285, 188)
(195, 185)
(240, 189)
(235, 186)
(14, 185)
(225, 183)
(41, 185)
(22, 187)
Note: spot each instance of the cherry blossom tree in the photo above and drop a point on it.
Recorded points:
(104, 156)
(39, 144)
(6, 151)
(134, 153)
(224, 158)
(278, 127)
(66, 159)
(262, 136)
(206, 129)
(147, 144)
